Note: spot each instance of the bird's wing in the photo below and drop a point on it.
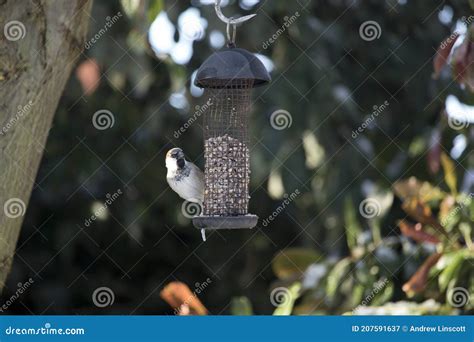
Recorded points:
(198, 181)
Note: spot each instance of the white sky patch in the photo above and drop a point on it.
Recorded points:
(458, 110)
(267, 62)
(248, 4)
(191, 25)
(195, 91)
(161, 35)
(459, 145)
(445, 15)
(216, 39)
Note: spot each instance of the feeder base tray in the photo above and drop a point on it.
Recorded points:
(225, 222)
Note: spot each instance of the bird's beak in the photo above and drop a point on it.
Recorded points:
(180, 162)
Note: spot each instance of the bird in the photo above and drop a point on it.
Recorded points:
(185, 178)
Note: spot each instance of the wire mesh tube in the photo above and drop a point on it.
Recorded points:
(226, 151)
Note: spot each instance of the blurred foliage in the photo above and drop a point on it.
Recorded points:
(330, 258)
(365, 281)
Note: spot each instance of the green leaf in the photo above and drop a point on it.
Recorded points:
(353, 228)
(241, 306)
(292, 262)
(335, 277)
(451, 270)
(289, 296)
(154, 8)
(449, 173)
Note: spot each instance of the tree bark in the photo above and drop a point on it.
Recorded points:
(40, 41)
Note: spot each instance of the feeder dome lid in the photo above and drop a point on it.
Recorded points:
(232, 64)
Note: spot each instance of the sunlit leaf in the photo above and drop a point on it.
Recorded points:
(449, 173)
(415, 231)
(413, 188)
(285, 306)
(241, 306)
(335, 277)
(182, 299)
(353, 228)
(443, 52)
(451, 269)
(417, 282)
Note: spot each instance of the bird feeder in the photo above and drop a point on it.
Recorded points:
(228, 77)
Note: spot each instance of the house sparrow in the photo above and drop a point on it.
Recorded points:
(185, 178)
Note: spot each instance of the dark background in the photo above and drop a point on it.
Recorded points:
(324, 75)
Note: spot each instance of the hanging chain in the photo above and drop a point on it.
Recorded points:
(231, 39)
(230, 22)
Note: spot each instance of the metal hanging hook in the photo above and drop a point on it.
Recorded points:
(230, 21)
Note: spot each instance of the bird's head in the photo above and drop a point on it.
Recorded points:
(175, 159)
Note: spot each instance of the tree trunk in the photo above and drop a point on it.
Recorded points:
(40, 41)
